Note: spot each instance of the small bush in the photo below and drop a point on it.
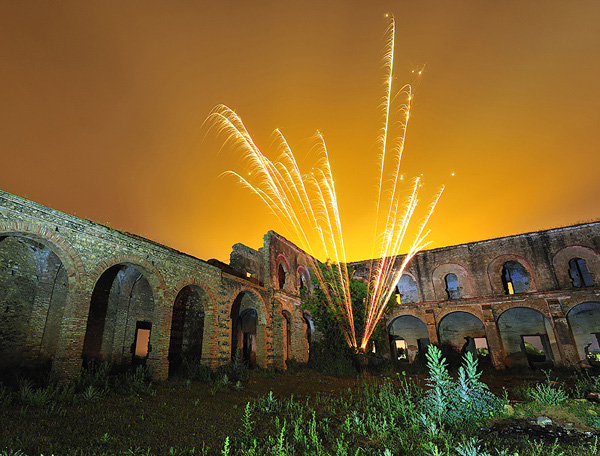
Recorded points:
(547, 393)
(194, 369)
(463, 402)
(338, 362)
(136, 382)
(236, 370)
(585, 383)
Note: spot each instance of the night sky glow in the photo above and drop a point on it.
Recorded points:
(103, 103)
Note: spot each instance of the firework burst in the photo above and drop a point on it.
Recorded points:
(306, 204)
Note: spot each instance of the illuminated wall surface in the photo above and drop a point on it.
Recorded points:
(103, 105)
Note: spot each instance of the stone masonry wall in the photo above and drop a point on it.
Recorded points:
(85, 251)
(479, 268)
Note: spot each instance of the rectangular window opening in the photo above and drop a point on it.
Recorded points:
(401, 349)
(481, 346)
(537, 350)
(142, 339)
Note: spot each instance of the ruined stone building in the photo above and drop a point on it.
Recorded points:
(531, 299)
(72, 291)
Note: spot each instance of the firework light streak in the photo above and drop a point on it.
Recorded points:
(306, 204)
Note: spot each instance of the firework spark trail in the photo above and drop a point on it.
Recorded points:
(307, 204)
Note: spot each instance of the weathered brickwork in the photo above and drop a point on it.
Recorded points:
(541, 287)
(71, 289)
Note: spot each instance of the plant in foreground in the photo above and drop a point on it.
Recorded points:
(547, 393)
(465, 401)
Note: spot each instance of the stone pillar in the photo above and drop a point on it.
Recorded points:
(494, 339)
(431, 327)
(39, 316)
(564, 337)
(158, 367)
(158, 361)
(278, 343)
(67, 361)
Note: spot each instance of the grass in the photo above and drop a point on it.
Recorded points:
(279, 414)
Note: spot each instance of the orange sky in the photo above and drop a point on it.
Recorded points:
(102, 105)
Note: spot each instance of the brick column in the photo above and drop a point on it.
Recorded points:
(67, 361)
(494, 339)
(431, 328)
(564, 337)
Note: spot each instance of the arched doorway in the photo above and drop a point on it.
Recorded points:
(408, 338)
(187, 326)
(121, 316)
(33, 291)
(527, 338)
(464, 332)
(584, 320)
(247, 337)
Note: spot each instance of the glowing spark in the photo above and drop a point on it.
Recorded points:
(307, 205)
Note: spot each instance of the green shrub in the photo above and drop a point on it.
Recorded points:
(236, 370)
(547, 393)
(463, 402)
(136, 382)
(194, 369)
(37, 397)
(585, 383)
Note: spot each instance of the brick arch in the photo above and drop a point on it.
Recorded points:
(190, 281)
(584, 325)
(405, 314)
(440, 314)
(211, 316)
(414, 278)
(261, 326)
(439, 284)
(549, 328)
(283, 261)
(540, 306)
(262, 311)
(302, 270)
(55, 242)
(157, 359)
(495, 273)
(568, 306)
(455, 334)
(154, 277)
(417, 313)
(561, 263)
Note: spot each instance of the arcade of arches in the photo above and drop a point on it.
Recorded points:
(72, 291)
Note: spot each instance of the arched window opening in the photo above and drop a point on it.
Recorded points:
(122, 298)
(527, 337)
(281, 276)
(33, 291)
(580, 275)
(452, 288)
(407, 288)
(408, 338)
(515, 278)
(584, 321)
